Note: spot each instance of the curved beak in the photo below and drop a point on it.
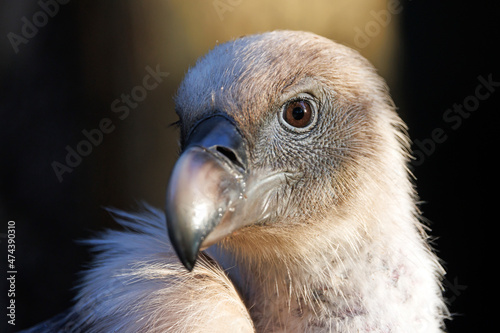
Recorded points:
(205, 186)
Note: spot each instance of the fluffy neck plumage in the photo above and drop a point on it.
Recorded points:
(368, 271)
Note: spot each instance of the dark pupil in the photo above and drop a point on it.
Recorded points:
(298, 113)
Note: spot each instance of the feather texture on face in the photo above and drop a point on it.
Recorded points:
(317, 228)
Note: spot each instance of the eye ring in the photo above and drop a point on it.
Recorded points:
(298, 114)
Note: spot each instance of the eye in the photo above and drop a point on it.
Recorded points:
(298, 113)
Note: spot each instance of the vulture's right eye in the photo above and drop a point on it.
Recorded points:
(298, 114)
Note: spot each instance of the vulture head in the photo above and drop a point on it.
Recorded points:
(293, 162)
(284, 134)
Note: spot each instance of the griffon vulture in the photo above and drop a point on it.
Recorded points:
(290, 208)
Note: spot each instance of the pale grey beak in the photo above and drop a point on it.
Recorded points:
(206, 184)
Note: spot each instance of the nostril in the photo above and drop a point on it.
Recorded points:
(230, 155)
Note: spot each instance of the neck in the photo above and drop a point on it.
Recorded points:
(334, 279)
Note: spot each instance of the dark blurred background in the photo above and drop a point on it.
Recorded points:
(63, 64)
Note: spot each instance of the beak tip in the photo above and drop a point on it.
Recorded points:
(187, 252)
(188, 264)
(188, 258)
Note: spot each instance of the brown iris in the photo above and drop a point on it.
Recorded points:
(298, 113)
